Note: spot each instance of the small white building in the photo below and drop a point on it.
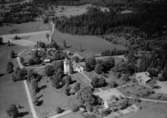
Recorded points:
(46, 60)
(142, 77)
(78, 67)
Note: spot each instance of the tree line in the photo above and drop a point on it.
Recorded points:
(149, 18)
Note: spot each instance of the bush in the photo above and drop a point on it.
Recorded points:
(99, 68)
(67, 90)
(49, 70)
(1, 40)
(113, 84)
(74, 107)
(77, 87)
(67, 80)
(10, 67)
(98, 82)
(13, 111)
(90, 64)
(19, 74)
(59, 110)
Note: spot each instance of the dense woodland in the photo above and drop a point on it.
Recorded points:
(148, 17)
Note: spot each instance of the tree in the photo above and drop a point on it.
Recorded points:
(77, 87)
(67, 80)
(99, 68)
(10, 67)
(59, 109)
(107, 65)
(113, 84)
(85, 97)
(53, 44)
(49, 70)
(19, 74)
(34, 85)
(98, 82)
(65, 44)
(1, 40)
(32, 75)
(13, 111)
(90, 63)
(57, 80)
(41, 44)
(13, 54)
(47, 35)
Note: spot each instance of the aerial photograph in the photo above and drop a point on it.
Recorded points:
(83, 58)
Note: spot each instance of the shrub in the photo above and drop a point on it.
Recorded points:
(59, 110)
(13, 54)
(99, 68)
(67, 80)
(49, 70)
(74, 107)
(10, 67)
(19, 74)
(98, 82)
(1, 40)
(113, 84)
(13, 111)
(90, 64)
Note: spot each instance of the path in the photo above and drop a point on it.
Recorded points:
(30, 101)
(148, 100)
(62, 114)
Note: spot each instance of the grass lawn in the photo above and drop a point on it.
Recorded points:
(81, 79)
(24, 27)
(52, 98)
(11, 92)
(89, 44)
(149, 110)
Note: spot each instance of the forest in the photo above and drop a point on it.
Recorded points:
(148, 17)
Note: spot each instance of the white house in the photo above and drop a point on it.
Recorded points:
(142, 77)
(78, 67)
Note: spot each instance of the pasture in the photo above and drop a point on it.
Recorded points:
(10, 91)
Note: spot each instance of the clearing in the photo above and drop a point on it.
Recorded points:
(24, 27)
(86, 45)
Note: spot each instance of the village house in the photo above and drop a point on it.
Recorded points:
(78, 67)
(142, 77)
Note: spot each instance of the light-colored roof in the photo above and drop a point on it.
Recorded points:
(143, 75)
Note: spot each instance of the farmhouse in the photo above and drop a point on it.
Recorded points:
(78, 67)
(142, 77)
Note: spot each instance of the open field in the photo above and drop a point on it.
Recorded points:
(149, 110)
(52, 98)
(11, 93)
(24, 27)
(89, 45)
(69, 11)
(26, 39)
